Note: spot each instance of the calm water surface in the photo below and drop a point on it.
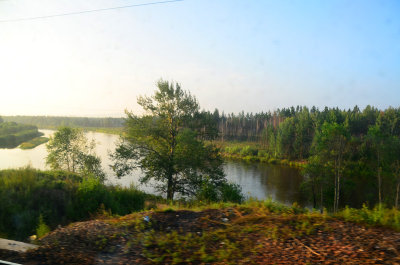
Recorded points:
(257, 180)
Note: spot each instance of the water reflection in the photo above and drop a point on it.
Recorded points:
(256, 179)
(266, 181)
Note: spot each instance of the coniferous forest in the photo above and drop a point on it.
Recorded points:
(351, 156)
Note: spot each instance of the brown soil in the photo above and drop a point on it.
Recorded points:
(261, 238)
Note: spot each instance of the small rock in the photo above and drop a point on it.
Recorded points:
(225, 220)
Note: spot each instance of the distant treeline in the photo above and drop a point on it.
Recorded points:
(53, 122)
(289, 132)
(13, 134)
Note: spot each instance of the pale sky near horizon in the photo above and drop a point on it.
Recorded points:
(232, 55)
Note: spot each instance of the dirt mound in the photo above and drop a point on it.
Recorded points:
(234, 235)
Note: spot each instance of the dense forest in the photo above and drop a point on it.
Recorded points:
(352, 156)
(13, 134)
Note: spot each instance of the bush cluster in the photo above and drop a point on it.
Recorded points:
(59, 197)
(224, 192)
(379, 215)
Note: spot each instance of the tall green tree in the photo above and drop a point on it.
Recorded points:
(70, 150)
(330, 147)
(304, 133)
(166, 147)
(285, 138)
(395, 168)
(378, 141)
(314, 182)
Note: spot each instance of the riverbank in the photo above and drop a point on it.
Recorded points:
(252, 233)
(33, 143)
(253, 152)
(239, 151)
(107, 130)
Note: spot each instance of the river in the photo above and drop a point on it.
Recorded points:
(257, 180)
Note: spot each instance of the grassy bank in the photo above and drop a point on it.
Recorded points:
(116, 131)
(33, 143)
(252, 152)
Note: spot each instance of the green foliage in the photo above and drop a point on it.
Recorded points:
(91, 194)
(42, 229)
(249, 151)
(354, 155)
(379, 215)
(164, 144)
(34, 142)
(285, 138)
(60, 197)
(233, 150)
(13, 134)
(263, 154)
(226, 192)
(70, 150)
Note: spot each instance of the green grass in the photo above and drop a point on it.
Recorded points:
(252, 152)
(243, 235)
(33, 143)
(116, 131)
(377, 216)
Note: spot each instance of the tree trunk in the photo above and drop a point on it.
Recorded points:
(379, 180)
(322, 204)
(314, 194)
(397, 195)
(338, 190)
(338, 184)
(379, 186)
(335, 191)
(170, 188)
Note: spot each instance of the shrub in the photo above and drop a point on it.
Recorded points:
(248, 151)
(263, 154)
(42, 228)
(225, 192)
(273, 161)
(59, 197)
(379, 215)
(231, 192)
(233, 150)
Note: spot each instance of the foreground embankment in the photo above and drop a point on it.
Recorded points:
(253, 233)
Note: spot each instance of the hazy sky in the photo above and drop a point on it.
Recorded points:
(231, 54)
